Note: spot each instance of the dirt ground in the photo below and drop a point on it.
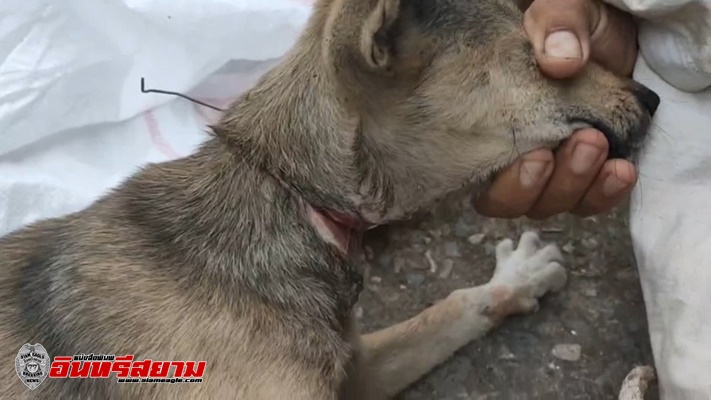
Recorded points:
(601, 309)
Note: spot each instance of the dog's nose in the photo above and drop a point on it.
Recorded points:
(647, 98)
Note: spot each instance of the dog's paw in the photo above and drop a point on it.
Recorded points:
(525, 273)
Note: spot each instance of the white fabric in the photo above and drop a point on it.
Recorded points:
(671, 232)
(671, 205)
(675, 39)
(73, 121)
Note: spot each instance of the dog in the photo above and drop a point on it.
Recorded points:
(239, 254)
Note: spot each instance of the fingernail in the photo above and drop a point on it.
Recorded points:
(562, 44)
(584, 156)
(612, 186)
(531, 173)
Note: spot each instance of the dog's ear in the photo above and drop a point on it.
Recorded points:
(378, 36)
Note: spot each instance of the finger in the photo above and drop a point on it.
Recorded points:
(516, 188)
(613, 42)
(578, 162)
(612, 186)
(560, 33)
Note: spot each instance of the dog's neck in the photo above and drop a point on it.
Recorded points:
(213, 217)
(292, 126)
(310, 126)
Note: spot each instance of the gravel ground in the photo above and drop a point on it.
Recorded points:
(600, 312)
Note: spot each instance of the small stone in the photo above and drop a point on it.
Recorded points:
(590, 243)
(359, 312)
(398, 265)
(415, 278)
(569, 247)
(590, 292)
(376, 279)
(431, 261)
(567, 352)
(451, 249)
(476, 239)
(447, 267)
(506, 354)
(403, 287)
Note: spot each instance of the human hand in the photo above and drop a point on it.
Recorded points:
(576, 178)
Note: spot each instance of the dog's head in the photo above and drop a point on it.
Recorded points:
(395, 103)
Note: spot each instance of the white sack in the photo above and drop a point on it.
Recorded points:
(73, 121)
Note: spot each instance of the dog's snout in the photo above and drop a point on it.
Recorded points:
(649, 100)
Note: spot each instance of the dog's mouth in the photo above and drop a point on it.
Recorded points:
(620, 146)
(626, 144)
(617, 147)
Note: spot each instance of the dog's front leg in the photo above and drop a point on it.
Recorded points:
(396, 357)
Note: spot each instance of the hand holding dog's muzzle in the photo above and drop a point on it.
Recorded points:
(575, 178)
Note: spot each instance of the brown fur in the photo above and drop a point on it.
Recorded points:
(382, 107)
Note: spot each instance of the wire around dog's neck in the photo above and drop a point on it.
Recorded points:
(352, 225)
(159, 91)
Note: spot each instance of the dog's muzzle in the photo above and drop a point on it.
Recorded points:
(646, 97)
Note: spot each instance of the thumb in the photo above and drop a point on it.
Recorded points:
(560, 33)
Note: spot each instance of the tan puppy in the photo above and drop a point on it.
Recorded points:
(237, 255)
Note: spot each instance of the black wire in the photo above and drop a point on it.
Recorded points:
(144, 90)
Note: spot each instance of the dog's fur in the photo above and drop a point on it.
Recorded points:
(230, 255)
